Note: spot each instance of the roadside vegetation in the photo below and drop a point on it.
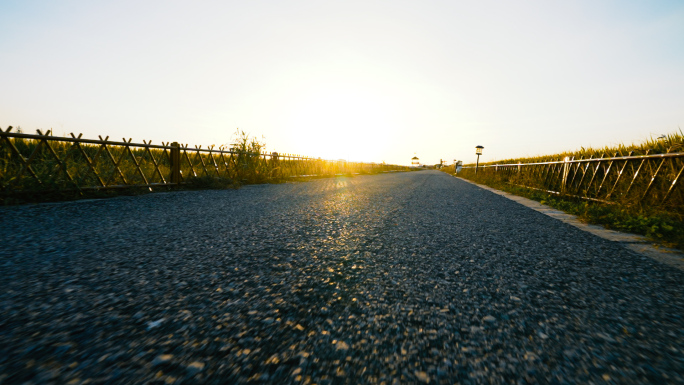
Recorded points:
(673, 142)
(36, 170)
(627, 210)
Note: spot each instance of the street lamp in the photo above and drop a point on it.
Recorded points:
(478, 152)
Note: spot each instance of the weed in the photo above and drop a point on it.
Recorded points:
(661, 226)
(43, 168)
(639, 183)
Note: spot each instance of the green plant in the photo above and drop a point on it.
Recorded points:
(638, 182)
(63, 168)
(661, 226)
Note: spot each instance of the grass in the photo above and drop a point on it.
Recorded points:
(660, 226)
(662, 223)
(65, 170)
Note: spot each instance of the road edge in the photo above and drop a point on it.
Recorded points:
(636, 243)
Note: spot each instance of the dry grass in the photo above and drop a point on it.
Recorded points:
(624, 183)
(64, 170)
(673, 142)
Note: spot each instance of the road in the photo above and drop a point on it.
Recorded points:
(396, 278)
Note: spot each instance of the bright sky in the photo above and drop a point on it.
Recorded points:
(362, 80)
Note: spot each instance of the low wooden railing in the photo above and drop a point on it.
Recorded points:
(649, 178)
(42, 162)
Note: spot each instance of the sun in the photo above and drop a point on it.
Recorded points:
(342, 123)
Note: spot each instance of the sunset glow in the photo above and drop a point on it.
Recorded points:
(372, 80)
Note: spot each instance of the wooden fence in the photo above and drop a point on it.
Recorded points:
(42, 162)
(651, 179)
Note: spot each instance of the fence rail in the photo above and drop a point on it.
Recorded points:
(649, 178)
(42, 162)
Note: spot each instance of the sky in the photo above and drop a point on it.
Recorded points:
(359, 80)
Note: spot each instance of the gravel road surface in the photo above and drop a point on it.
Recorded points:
(395, 278)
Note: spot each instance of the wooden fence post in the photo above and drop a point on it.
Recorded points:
(275, 167)
(175, 163)
(566, 171)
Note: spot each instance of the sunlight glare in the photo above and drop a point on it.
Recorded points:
(343, 123)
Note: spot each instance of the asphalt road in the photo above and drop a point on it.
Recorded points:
(395, 278)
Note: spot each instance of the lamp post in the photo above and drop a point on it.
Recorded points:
(478, 152)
